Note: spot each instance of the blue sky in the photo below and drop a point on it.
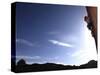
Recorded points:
(53, 33)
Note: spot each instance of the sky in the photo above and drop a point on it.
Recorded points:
(47, 33)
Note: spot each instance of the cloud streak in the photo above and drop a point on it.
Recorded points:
(55, 42)
(53, 32)
(22, 41)
(37, 59)
(28, 57)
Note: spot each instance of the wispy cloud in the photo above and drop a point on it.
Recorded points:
(37, 59)
(26, 42)
(78, 53)
(55, 42)
(84, 54)
(53, 32)
(28, 57)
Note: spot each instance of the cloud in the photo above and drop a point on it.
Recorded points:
(78, 53)
(36, 57)
(28, 57)
(52, 58)
(22, 41)
(39, 59)
(60, 43)
(53, 32)
(84, 55)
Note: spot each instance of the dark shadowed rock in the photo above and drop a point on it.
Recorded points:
(23, 67)
(21, 62)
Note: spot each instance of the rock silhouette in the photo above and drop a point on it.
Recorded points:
(23, 67)
(21, 62)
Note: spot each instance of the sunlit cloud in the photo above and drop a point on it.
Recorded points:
(26, 42)
(55, 42)
(78, 53)
(83, 56)
(87, 51)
